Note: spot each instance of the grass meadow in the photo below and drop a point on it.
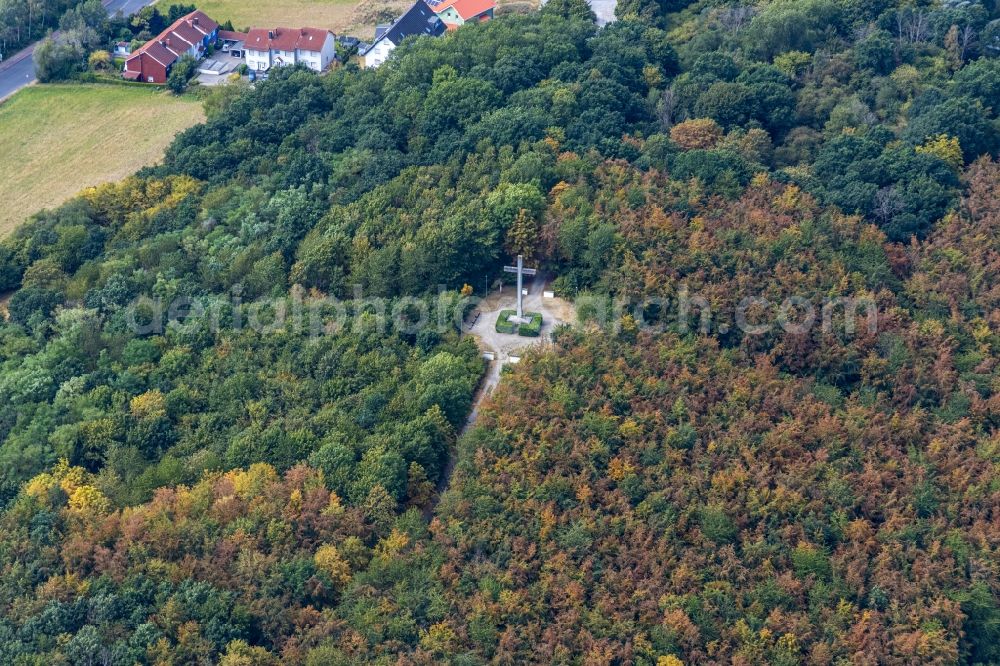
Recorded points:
(58, 139)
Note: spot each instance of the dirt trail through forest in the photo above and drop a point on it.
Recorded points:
(504, 349)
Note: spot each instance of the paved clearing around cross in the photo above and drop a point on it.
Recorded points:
(505, 346)
(58, 139)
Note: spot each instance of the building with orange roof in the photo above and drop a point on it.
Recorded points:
(459, 12)
(191, 35)
(277, 47)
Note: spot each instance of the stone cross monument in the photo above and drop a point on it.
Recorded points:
(521, 271)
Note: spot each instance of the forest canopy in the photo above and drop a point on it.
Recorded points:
(223, 494)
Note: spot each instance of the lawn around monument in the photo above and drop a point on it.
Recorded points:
(530, 329)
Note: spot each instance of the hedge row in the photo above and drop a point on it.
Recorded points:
(533, 328)
(503, 323)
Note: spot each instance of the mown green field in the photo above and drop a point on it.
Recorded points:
(58, 139)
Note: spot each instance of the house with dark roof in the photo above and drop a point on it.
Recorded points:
(459, 12)
(278, 47)
(419, 19)
(191, 35)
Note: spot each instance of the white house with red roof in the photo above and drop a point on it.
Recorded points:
(459, 12)
(277, 47)
(190, 35)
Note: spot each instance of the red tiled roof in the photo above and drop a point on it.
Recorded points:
(232, 36)
(278, 39)
(468, 9)
(286, 39)
(258, 39)
(311, 39)
(182, 34)
(176, 46)
(262, 39)
(186, 32)
(200, 21)
(157, 52)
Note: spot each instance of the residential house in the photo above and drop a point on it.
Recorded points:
(191, 35)
(419, 19)
(459, 12)
(313, 47)
(122, 50)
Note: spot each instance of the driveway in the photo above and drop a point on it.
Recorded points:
(18, 69)
(217, 69)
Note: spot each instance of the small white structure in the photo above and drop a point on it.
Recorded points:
(278, 47)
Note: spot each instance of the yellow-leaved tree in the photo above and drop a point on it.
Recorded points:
(329, 560)
(149, 405)
(945, 147)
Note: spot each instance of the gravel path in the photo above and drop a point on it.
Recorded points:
(505, 349)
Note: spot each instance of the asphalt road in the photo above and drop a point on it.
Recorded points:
(126, 6)
(18, 70)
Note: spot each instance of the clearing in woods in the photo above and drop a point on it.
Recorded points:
(56, 140)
